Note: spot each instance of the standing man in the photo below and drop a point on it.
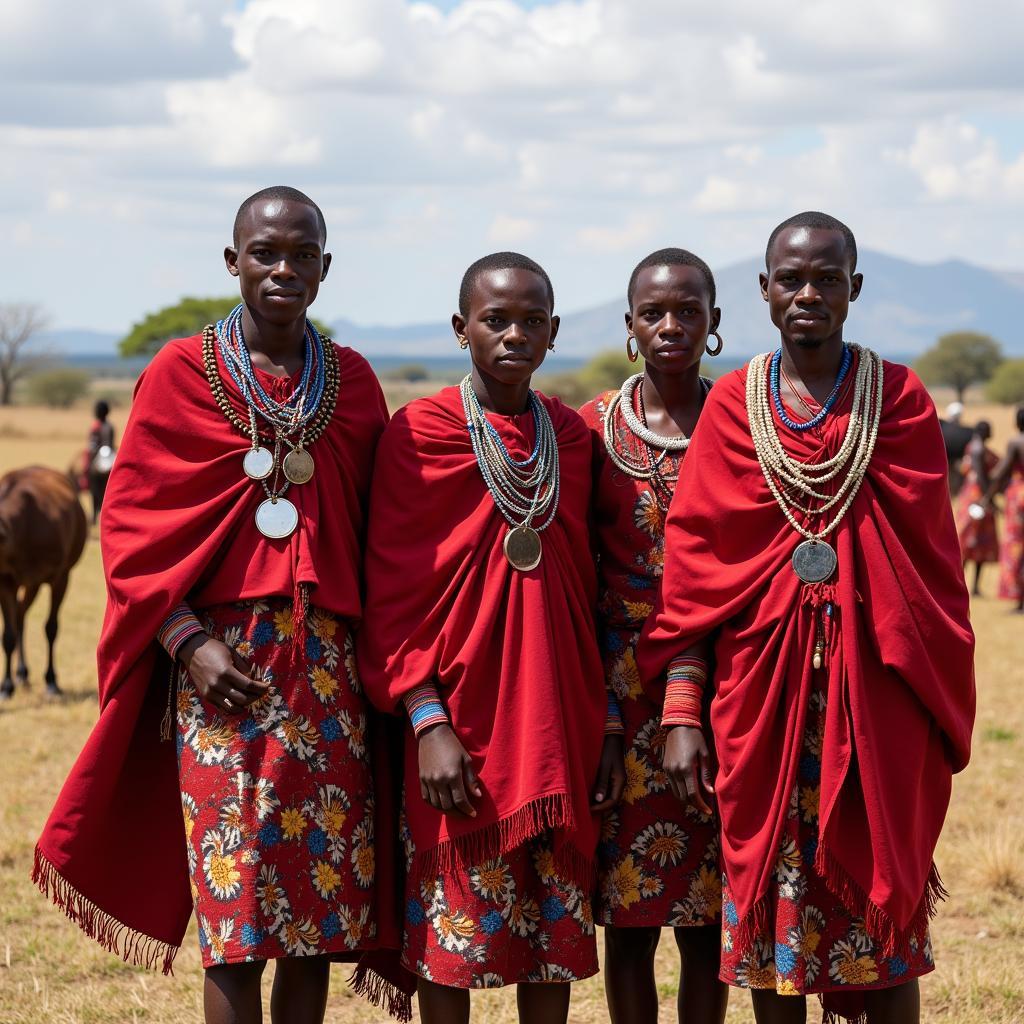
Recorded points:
(810, 546)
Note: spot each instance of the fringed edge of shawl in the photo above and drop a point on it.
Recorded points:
(381, 992)
(892, 941)
(832, 1016)
(134, 947)
(553, 811)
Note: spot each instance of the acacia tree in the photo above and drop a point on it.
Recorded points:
(20, 322)
(960, 359)
(1007, 383)
(182, 320)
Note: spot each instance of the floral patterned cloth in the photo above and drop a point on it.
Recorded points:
(979, 541)
(507, 920)
(657, 859)
(278, 801)
(814, 945)
(1011, 554)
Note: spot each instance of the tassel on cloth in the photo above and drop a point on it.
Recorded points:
(366, 981)
(529, 821)
(132, 946)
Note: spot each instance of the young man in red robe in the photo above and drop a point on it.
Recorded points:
(232, 544)
(479, 630)
(812, 564)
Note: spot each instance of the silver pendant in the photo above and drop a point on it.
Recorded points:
(258, 463)
(523, 548)
(276, 518)
(298, 466)
(814, 561)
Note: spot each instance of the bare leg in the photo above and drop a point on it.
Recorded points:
(702, 997)
(771, 1008)
(899, 1005)
(543, 1003)
(231, 993)
(300, 989)
(441, 1004)
(976, 589)
(57, 590)
(629, 984)
(24, 603)
(9, 607)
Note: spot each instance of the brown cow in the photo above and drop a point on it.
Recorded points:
(42, 534)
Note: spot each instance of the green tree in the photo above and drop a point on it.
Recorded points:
(409, 373)
(58, 388)
(605, 371)
(960, 359)
(1007, 383)
(182, 320)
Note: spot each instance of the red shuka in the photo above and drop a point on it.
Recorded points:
(899, 658)
(178, 520)
(514, 654)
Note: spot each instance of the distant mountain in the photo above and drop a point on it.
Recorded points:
(902, 310)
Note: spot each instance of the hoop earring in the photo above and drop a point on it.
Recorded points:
(551, 347)
(707, 348)
(632, 354)
(463, 341)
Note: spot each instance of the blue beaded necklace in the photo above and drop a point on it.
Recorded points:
(301, 406)
(773, 378)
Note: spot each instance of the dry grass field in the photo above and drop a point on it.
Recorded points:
(49, 972)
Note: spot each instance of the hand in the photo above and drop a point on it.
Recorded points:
(447, 779)
(611, 774)
(222, 676)
(688, 765)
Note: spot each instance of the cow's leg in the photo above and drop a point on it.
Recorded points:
(9, 606)
(57, 590)
(24, 603)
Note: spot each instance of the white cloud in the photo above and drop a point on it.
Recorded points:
(588, 127)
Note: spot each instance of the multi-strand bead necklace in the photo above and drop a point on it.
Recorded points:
(523, 490)
(293, 424)
(798, 487)
(654, 448)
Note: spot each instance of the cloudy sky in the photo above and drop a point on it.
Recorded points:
(584, 133)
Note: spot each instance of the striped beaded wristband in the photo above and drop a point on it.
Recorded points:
(613, 717)
(423, 703)
(684, 692)
(178, 627)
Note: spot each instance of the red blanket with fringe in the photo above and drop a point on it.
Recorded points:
(899, 652)
(178, 522)
(514, 654)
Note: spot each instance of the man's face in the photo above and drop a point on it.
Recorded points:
(809, 285)
(279, 260)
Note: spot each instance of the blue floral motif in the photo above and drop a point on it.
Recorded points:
(317, 842)
(330, 926)
(810, 768)
(415, 914)
(313, 648)
(251, 935)
(897, 966)
(263, 633)
(270, 834)
(330, 729)
(730, 913)
(785, 958)
(248, 730)
(552, 909)
(492, 922)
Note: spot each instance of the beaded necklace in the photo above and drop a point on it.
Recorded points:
(797, 486)
(647, 465)
(827, 405)
(510, 481)
(276, 516)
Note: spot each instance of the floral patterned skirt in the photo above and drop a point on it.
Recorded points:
(658, 858)
(813, 944)
(979, 539)
(277, 801)
(507, 920)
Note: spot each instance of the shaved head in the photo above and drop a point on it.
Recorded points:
(281, 193)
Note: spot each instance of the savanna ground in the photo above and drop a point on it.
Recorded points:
(50, 972)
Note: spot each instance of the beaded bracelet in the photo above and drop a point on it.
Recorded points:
(423, 704)
(684, 691)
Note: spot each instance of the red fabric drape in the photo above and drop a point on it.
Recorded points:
(514, 654)
(178, 522)
(899, 660)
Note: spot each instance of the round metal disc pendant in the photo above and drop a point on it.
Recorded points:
(298, 466)
(258, 463)
(276, 518)
(523, 548)
(814, 561)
